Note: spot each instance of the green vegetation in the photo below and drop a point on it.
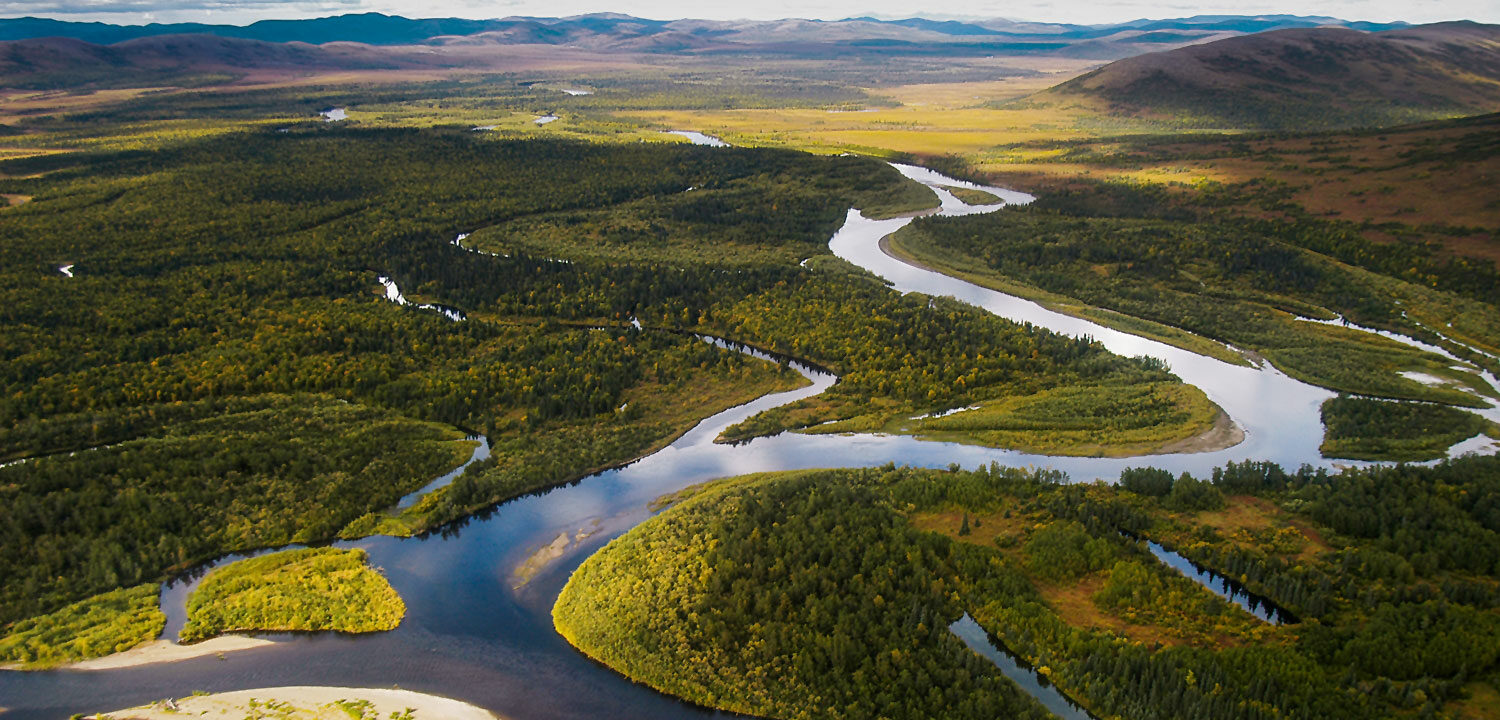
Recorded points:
(1398, 202)
(1123, 419)
(971, 196)
(226, 328)
(1366, 429)
(224, 323)
(196, 479)
(731, 606)
(303, 590)
(1173, 269)
(101, 625)
(777, 213)
(1064, 551)
(898, 244)
(222, 374)
(900, 356)
(799, 582)
(1182, 493)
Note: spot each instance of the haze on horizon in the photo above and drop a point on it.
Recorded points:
(1086, 13)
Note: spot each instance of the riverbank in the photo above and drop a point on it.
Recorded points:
(309, 703)
(1148, 329)
(163, 650)
(1222, 435)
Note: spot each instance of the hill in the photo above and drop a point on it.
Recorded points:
(624, 32)
(371, 28)
(41, 53)
(64, 62)
(1307, 77)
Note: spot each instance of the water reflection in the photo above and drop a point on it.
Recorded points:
(481, 452)
(1034, 683)
(1222, 586)
(698, 138)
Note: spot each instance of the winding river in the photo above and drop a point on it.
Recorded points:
(474, 633)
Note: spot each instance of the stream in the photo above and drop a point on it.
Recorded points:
(1223, 586)
(475, 634)
(1028, 679)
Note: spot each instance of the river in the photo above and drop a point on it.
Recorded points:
(473, 635)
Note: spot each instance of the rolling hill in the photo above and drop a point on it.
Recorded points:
(38, 53)
(64, 62)
(1313, 77)
(625, 32)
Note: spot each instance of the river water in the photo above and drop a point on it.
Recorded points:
(472, 632)
(698, 138)
(1034, 683)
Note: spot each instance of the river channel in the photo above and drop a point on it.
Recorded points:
(476, 634)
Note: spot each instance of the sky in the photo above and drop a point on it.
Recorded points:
(1071, 11)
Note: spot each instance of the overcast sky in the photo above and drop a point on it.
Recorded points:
(1075, 11)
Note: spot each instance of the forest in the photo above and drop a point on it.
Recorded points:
(829, 592)
(100, 625)
(311, 589)
(1369, 429)
(263, 471)
(222, 323)
(221, 373)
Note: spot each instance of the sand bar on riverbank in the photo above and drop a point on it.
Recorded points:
(309, 703)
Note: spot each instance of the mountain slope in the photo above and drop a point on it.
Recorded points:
(65, 62)
(1317, 77)
(48, 54)
(598, 28)
(370, 28)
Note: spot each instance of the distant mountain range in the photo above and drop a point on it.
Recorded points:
(1269, 71)
(601, 28)
(66, 62)
(1324, 77)
(41, 53)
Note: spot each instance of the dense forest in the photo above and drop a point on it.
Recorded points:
(100, 625)
(795, 597)
(829, 592)
(219, 371)
(251, 472)
(1369, 429)
(895, 355)
(222, 323)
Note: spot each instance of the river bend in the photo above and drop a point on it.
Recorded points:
(474, 634)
